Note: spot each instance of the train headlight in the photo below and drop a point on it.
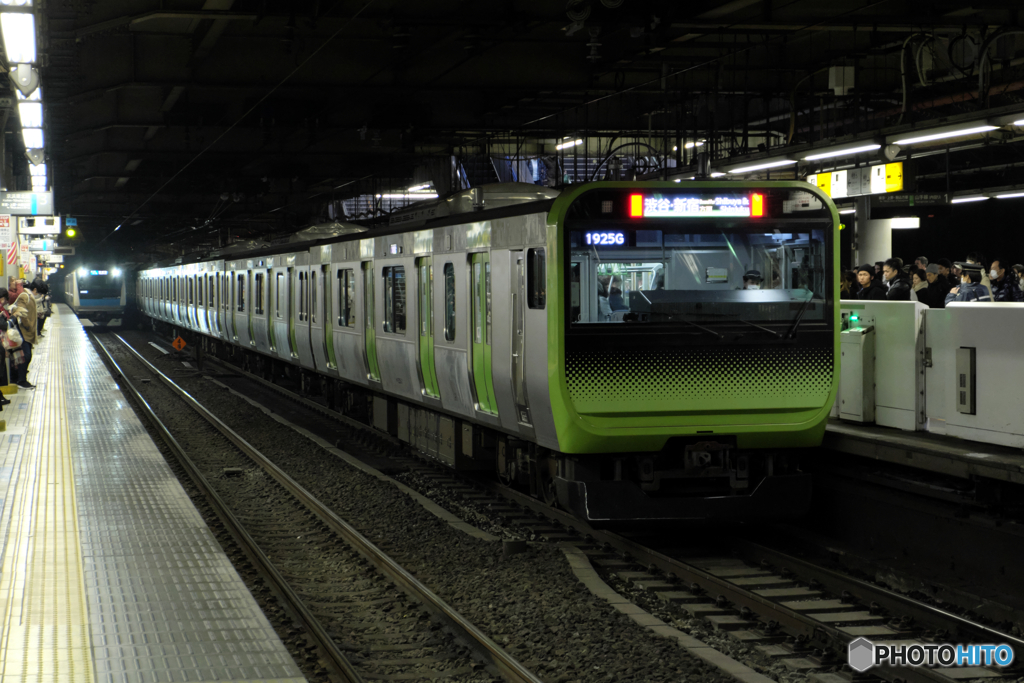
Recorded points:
(116, 272)
(82, 272)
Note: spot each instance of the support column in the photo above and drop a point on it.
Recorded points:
(874, 237)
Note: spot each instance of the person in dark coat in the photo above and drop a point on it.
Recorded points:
(970, 288)
(870, 289)
(848, 286)
(938, 288)
(946, 271)
(898, 289)
(1004, 283)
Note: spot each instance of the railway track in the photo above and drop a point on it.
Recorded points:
(784, 607)
(369, 617)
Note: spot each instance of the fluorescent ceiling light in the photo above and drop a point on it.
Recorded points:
(904, 223)
(31, 114)
(759, 167)
(571, 143)
(947, 134)
(418, 195)
(678, 180)
(691, 145)
(37, 169)
(33, 137)
(16, 3)
(717, 174)
(1010, 195)
(1019, 123)
(964, 200)
(848, 211)
(424, 186)
(842, 152)
(19, 32)
(36, 96)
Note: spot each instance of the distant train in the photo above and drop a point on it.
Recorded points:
(597, 345)
(97, 296)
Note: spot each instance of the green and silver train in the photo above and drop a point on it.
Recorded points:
(597, 345)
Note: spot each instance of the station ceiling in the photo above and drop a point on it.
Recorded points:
(191, 122)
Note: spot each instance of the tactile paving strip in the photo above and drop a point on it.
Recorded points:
(160, 601)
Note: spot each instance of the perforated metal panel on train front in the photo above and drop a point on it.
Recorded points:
(699, 379)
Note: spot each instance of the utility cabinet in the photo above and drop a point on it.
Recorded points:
(857, 374)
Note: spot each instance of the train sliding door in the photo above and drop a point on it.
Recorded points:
(428, 370)
(480, 265)
(373, 369)
(519, 337)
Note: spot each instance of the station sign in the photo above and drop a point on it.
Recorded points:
(854, 182)
(64, 251)
(26, 203)
(41, 245)
(71, 222)
(51, 258)
(6, 229)
(909, 204)
(41, 225)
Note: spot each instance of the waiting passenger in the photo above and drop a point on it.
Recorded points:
(878, 269)
(919, 283)
(946, 271)
(752, 279)
(24, 311)
(938, 287)
(977, 258)
(898, 289)
(870, 289)
(970, 288)
(848, 286)
(920, 263)
(1018, 271)
(1005, 285)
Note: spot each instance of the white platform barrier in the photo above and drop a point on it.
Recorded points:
(918, 384)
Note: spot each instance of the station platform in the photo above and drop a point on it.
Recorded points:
(108, 571)
(938, 453)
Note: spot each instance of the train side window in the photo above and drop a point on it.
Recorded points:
(346, 298)
(199, 290)
(394, 299)
(241, 293)
(449, 302)
(277, 295)
(536, 278)
(258, 306)
(209, 290)
(312, 295)
(302, 296)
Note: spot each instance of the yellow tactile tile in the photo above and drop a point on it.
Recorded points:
(44, 622)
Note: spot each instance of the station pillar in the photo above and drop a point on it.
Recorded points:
(874, 237)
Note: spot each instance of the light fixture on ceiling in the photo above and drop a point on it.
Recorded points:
(717, 174)
(846, 211)
(840, 152)
(1019, 123)
(37, 169)
(417, 188)
(33, 137)
(762, 166)
(31, 114)
(948, 132)
(905, 223)
(418, 195)
(1010, 195)
(691, 145)
(34, 96)
(19, 34)
(566, 145)
(965, 200)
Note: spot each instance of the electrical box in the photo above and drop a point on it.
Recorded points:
(966, 379)
(857, 374)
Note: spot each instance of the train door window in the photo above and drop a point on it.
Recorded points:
(478, 315)
(277, 295)
(199, 290)
(449, 302)
(487, 300)
(312, 295)
(241, 293)
(260, 282)
(394, 299)
(302, 296)
(536, 278)
(426, 273)
(209, 290)
(346, 297)
(191, 291)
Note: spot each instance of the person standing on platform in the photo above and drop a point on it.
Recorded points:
(898, 288)
(919, 279)
(938, 287)
(870, 288)
(24, 311)
(978, 259)
(970, 288)
(1004, 283)
(920, 263)
(5, 320)
(38, 291)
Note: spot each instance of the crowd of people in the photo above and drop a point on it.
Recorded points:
(936, 283)
(24, 309)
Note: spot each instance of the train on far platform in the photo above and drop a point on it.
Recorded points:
(98, 296)
(602, 346)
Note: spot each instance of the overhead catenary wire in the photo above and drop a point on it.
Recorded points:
(241, 118)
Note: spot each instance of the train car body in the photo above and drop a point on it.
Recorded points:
(596, 345)
(97, 296)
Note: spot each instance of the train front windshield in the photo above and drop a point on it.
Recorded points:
(100, 287)
(705, 259)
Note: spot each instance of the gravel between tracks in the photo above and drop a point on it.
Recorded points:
(531, 603)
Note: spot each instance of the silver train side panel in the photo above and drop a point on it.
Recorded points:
(300, 319)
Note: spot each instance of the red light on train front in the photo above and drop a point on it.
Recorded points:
(636, 206)
(756, 204)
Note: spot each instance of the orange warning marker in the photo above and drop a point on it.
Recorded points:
(178, 344)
